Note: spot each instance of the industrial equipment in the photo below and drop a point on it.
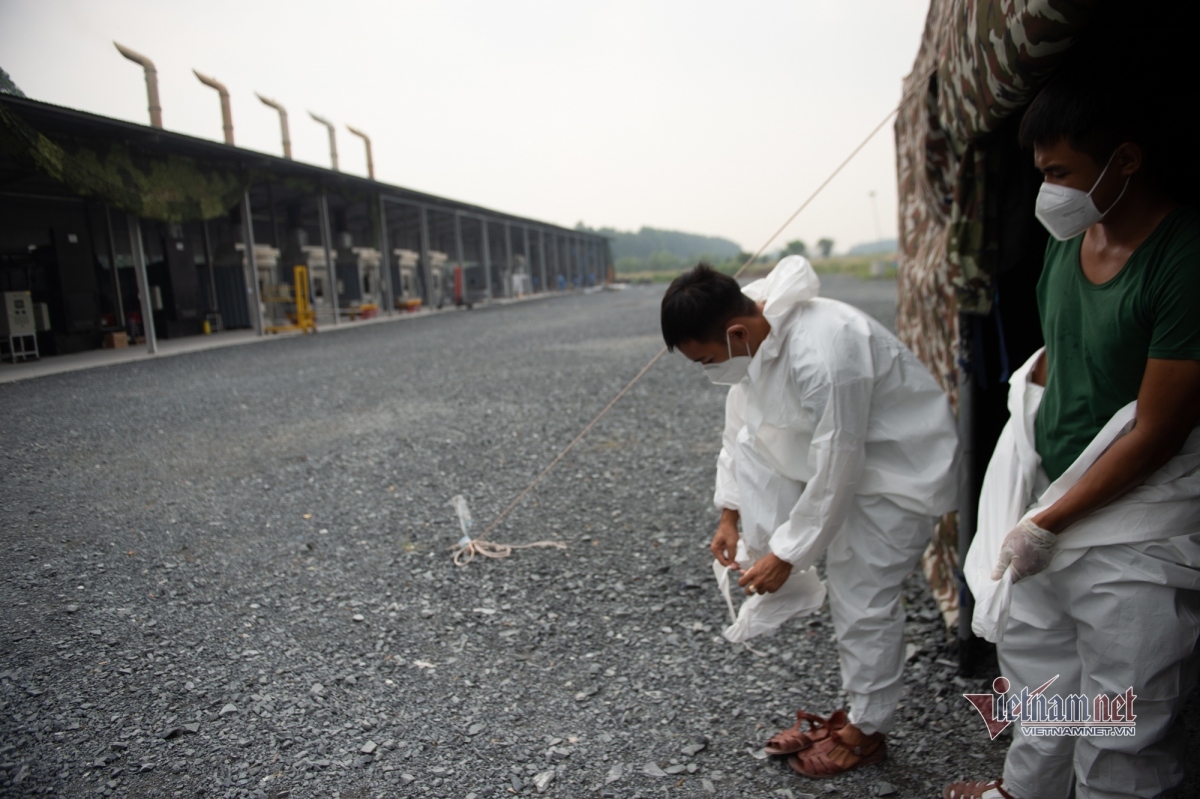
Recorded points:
(520, 284)
(18, 327)
(470, 284)
(297, 250)
(358, 271)
(291, 302)
(266, 261)
(437, 277)
(408, 293)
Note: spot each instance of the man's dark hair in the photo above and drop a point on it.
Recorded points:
(1094, 107)
(699, 304)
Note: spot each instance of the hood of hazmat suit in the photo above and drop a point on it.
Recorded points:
(833, 407)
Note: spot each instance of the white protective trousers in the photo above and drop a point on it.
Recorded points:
(1118, 616)
(1117, 608)
(866, 563)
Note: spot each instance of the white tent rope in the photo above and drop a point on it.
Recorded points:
(465, 551)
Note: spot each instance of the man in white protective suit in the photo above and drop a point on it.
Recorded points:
(837, 441)
(1086, 563)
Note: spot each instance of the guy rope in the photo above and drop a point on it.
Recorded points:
(467, 548)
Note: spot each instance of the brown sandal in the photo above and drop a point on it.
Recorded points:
(843, 750)
(795, 740)
(973, 789)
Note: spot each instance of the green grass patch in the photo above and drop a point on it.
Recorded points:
(859, 266)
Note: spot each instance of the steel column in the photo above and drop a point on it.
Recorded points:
(528, 257)
(564, 265)
(586, 248)
(508, 289)
(326, 243)
(139, 264)
(486, 254)
(385, 262)
(572, 258)
(458, 240)
(112, 257)
(542, 257)
(251, 264)
(212, 273)
(426, 266)
(558, 259)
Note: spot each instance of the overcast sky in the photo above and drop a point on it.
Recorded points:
(713, 118)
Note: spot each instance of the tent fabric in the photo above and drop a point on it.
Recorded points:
(996, 56)
(167, 188)
(979, 62)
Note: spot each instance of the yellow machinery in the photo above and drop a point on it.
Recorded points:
(295, 302)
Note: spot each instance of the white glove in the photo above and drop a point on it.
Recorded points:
(1026, 550)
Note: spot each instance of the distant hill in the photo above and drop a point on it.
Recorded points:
(649, 242)
(881, 247)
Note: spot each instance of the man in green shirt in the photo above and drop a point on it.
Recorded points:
(1119, 301)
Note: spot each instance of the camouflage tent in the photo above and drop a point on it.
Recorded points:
(979, 62)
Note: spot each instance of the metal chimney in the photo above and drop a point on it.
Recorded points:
(151, 83)
(367, 141)
(283, 124)
(226, 114)
(332, 138)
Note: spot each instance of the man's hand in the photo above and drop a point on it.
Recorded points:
(1026, 550)
(766, 576)
(725, 540)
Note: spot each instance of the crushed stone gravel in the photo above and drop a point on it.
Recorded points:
(228, 575)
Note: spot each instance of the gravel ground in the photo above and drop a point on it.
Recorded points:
(228, 575)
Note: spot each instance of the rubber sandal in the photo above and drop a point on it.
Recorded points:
(973, 789)
(797, 739)
(844, 749)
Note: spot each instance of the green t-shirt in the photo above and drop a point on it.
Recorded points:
(1098, 337)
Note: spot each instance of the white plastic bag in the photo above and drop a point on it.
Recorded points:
(802, 593)
(464, 518)
(990, 618)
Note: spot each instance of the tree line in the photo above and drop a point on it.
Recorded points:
(655, 250)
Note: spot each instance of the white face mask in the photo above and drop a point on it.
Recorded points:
(732, 370)
(1067, 212)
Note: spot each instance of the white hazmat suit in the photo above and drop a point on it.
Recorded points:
(1118, 607)
(838, 440)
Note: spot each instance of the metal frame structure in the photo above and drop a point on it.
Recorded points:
(271, 194)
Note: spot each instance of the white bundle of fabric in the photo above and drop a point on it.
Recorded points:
(1166, 505)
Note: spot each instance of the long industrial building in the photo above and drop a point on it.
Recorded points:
(120, 231)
